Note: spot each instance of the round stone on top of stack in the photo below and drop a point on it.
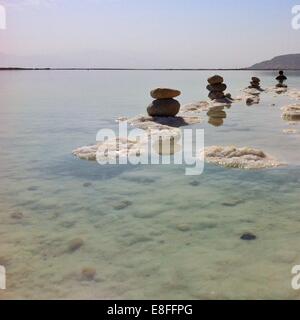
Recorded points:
(164, 104)
(255, 83)
(216, 88)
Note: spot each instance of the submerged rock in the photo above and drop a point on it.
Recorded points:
(248, 236)
(75, 244)
(18, 215)
(88, 274)
(122, 205)
(242, 158)
(183, 227)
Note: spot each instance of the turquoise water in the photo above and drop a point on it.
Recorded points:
(147, 231)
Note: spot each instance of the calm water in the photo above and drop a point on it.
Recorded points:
(179, 237)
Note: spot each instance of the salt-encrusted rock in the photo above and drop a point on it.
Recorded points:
(242, 158)
(290, 131)
(291, 112)
(195, 107)
(294, 94)
(215, 79)
(111, 149)
(164, 93)
(163, 108)
(162, 123)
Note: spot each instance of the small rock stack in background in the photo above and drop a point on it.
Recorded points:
(216, 88)
(164, 104)
(281, 78)
(255, 83)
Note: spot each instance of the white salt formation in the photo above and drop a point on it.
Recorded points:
(291, 112)
(111, 149)
(242, 158)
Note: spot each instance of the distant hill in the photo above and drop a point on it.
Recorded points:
(286, 62)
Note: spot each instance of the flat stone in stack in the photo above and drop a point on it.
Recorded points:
(164, 104)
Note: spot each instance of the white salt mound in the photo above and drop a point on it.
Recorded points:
(242, 158)
(291, 112)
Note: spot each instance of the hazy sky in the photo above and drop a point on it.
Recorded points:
(149, 33)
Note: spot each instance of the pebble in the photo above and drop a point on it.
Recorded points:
(88, 274)
(183, 227)
(75, 244)
(87, 184)
(17, 215)
(33, 188)
(122, 205)
(248, 236)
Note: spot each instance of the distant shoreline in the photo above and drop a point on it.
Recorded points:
(138, 69)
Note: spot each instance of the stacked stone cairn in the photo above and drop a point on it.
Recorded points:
(216, 88)
(255, 83)
(164, 104)
(281, 78)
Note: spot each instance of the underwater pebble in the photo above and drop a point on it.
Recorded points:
(17, 215)
(75, 244)
(183, 227)
(194, 183)
(33, 188)
(248, 236)
(122, 205)
(87, 184)
(88, 274)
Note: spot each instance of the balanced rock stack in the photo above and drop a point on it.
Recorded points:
(281, 78)
(216, 88)
(255, 83)
(164, 104)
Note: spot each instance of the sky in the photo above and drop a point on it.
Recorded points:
(147, 33)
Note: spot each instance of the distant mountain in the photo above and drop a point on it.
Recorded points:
(286, 62)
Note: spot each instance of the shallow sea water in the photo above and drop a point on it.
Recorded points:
(179, 236)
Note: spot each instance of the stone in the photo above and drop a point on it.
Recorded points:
(164, 93)
(87, 184)
(216, 95)
(18, 215)
(33, 188)
(163, 108)
(217, 87)
(183, 227)
(88, 274)
(255, 79)
(248, 236)
(215, 79)
(75, 244)
(122, 205)
(242, 158)
(194, 183)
